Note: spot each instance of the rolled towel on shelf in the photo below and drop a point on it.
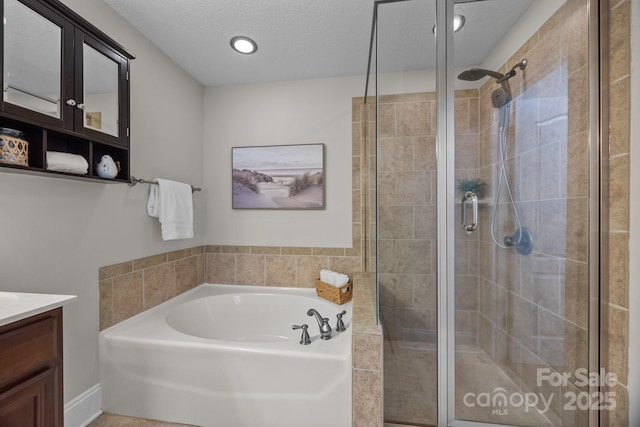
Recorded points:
(333, 278)
(67, 162)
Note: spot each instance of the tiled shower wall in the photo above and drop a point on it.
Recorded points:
(407, 216)
(406, 248)
(534, 308)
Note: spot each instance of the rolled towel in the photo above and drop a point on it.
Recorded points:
(67, 162)
(333, 278)
(342, 279)
(324, 275)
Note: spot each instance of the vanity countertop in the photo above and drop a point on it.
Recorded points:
(16, 306)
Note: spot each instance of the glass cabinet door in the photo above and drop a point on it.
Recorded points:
(101, 88)
(100, 78)
(33, 75)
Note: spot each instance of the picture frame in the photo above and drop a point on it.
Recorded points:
(278, 177)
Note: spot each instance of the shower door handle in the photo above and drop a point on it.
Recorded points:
(469, 198)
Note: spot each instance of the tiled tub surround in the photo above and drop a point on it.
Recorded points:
(131, 287)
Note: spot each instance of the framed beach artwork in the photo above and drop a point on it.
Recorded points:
(278, 177)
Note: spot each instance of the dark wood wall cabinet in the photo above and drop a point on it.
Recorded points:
(31, 392)
(65, 90)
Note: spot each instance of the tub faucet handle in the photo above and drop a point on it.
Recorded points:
(340, 324)
(304, 339)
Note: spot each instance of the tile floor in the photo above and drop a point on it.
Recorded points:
(112, 420)
(413, 370)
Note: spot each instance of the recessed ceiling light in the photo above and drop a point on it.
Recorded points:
(243, 45)
(458, 23)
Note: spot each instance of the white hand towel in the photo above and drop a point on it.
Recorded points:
(175, 210)
(153, 206)
(67, 162)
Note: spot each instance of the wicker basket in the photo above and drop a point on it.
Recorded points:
(14, 151)
(334, 294)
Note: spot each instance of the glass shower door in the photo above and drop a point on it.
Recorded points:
(522, 144)
(406, 208)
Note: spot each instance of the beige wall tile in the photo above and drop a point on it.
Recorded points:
(150, 261)
(328, 251)
(367, 398)
(386, 120)
(105, 307)
(620, 42)
(115, 270)
(187, 274)
(280, 270)
(350, 266)
(220, 268)
(619, 104)
(576, 293)
(265, 250)
(619, 269)
(184, 253)
(367, 352)
(618, 342)
(308, 268)
(250, 270)
(578, 91)
(159, 284)
(295, 251)
(235, 249)
(413, 118)
(127, 296)
(424, 152)
(619, 193)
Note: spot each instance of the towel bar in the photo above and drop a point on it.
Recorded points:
(133, 181)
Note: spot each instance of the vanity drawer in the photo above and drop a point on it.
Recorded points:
(29, 348)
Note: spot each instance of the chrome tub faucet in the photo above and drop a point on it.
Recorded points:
(323, 323)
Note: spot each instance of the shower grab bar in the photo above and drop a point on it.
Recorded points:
(133, 181)
(469, 197)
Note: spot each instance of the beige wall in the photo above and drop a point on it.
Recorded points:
(58, 232)
(298, 112)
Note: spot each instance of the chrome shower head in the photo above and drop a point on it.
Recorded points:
(474, 74)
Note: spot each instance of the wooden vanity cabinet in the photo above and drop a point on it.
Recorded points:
(65, 86)
(31, 392)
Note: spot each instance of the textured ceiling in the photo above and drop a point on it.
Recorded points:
(304, 39)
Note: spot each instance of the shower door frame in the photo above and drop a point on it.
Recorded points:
(445, 192)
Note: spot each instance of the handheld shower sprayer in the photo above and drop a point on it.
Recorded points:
(522, 238)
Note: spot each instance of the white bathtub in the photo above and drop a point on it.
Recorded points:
(222, 355)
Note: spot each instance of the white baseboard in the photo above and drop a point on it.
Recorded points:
(85, 408)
